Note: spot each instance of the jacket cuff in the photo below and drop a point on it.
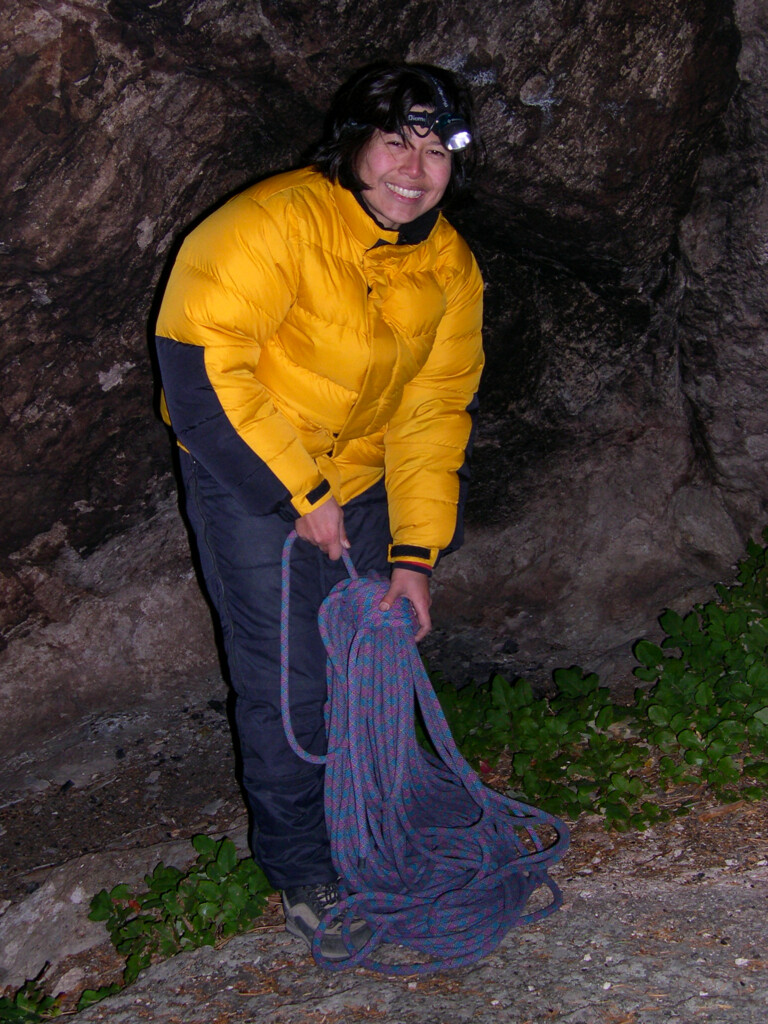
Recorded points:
(312, 499)
(409, 556)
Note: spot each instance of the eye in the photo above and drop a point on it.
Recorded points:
(396, 141)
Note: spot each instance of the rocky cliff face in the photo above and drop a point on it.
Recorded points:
(622, 226)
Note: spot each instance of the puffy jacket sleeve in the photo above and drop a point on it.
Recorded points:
(232, 284)
(427, 442)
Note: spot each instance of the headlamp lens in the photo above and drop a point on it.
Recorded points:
(457, 141)
(452, 131)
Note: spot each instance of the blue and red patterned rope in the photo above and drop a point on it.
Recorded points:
(432, 858)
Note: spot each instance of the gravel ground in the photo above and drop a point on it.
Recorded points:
(620, 952)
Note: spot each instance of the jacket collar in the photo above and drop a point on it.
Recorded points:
(418, 230)
(358, 220)
(367, 229)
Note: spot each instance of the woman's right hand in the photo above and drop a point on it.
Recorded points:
(324, 527)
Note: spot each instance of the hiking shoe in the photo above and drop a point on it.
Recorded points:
(305, 905)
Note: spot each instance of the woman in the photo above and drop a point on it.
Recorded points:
(319, 344)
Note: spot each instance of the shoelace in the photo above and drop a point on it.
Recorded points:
(319, 897)
(431, 857)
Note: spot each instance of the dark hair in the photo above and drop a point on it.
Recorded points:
(379, 97)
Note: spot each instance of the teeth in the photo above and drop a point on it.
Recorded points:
(406, 193)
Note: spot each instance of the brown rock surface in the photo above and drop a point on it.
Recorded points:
(621, 227)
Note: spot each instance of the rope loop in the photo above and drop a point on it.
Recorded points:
(432, 858)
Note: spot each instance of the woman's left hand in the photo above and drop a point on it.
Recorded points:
(415, 587)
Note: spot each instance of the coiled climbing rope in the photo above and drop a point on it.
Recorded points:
(432, 858)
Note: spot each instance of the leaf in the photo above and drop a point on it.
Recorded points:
(586, 793)
(558, 726)
(524, 726)
(620, 783)
(704, 695)
(567, 680)
(135, 963)
(102, 906)
(757, 675)
(502, 695)
(678, 722)
(121, 892)
(674, 670)
(500, 726)
(204, 845)
(716, 748)
(214, 872)
(648, 654)
(163, 879)
(753, 792)
(735, 624)
(636, 786)
(94, 995)
(665, 739)
(650, 810)
(691, 629)
(208, 890)
(740, 691)
(659, 714)
(237, 895)
(208, 911)
(572, 682)
(671, 623)
(694, 757)
(523, 693)
(731, 731)
(647, 675)
(726, 771)
(688, 739)
(616, 812)
(605, 717)
(639, 821)
(668, 766)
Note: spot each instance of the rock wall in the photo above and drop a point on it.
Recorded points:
(622, 470)
(723, 316)
(621, 226)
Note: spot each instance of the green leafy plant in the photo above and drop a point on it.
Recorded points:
(707, 710)
(701, 720)
(28, 1005)
(217, 897)
(562, 753)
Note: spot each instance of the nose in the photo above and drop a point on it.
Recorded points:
(413, 162)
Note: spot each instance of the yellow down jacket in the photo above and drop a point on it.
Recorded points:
(304, 353)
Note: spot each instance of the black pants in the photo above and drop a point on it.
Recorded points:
(241, 561)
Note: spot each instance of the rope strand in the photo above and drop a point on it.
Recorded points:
(431, 857)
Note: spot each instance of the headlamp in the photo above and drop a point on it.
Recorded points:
(452, 130)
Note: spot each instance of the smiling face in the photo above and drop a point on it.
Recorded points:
(405, 176)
